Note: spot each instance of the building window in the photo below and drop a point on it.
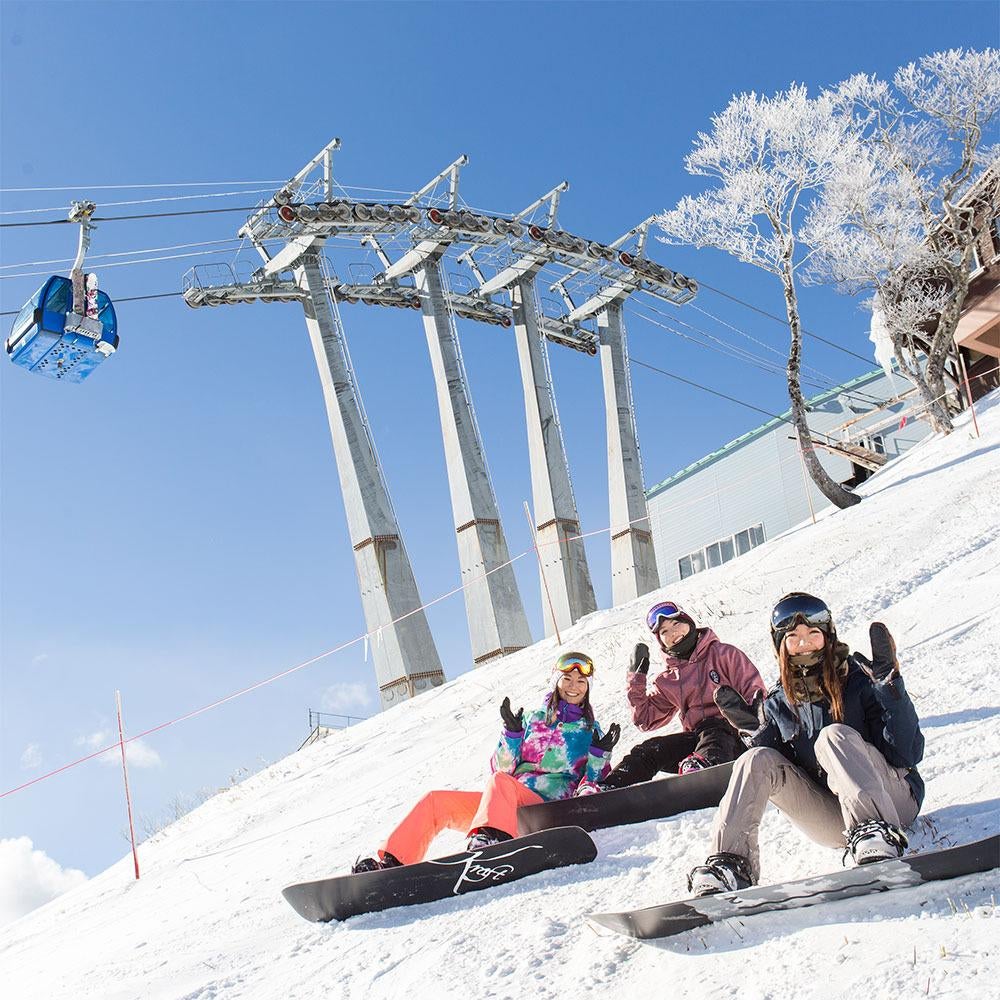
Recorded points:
(721, 551)
(743, 543)
(875, 443)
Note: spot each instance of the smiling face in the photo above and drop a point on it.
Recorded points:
(804, 639)
(672, 630)
(573, 687)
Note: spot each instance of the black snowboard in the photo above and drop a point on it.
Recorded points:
(676, 793)
(931, 866)
(349, 895)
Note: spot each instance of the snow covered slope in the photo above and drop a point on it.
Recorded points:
(207, 919)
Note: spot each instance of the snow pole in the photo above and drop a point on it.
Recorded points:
(805, 477)
(541, 570)
(968, 393)
(128, 796)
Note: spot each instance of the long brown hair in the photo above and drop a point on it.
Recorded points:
(831, 679)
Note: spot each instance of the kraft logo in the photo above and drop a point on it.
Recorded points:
(714, 674)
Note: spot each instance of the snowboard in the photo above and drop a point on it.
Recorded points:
(349, 895)
(930, 866)
(656, 799)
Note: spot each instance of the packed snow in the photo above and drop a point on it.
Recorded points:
(207, 919)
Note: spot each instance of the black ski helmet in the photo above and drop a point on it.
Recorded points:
(799, 608)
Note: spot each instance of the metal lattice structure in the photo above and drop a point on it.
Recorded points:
(412, 240)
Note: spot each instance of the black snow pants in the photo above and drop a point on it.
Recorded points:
(713, 738)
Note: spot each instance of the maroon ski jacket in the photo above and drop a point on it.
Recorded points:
(687, 686)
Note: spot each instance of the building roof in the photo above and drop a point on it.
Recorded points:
(758, 432)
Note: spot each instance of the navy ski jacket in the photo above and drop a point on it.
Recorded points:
(882, 713)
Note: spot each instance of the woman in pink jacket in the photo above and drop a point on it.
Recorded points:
(696, 664)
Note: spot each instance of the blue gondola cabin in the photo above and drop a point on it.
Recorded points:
(48, 338)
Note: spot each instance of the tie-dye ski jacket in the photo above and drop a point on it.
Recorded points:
(552, 758)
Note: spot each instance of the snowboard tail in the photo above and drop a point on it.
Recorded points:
(367, 892)
(674, 918)
(655, 799)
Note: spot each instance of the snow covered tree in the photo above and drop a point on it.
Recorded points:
(769, 158)
(900, 220)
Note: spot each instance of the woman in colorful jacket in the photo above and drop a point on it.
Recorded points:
(539, 758)
(834, 746)
(696, 663)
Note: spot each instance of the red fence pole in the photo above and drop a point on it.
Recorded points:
(128, 796)
(968, 393)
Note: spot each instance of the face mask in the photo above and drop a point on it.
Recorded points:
(683, 648)
(812, 659)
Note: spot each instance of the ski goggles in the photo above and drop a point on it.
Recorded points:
(575, 661)
(659, 612)
(795, 609)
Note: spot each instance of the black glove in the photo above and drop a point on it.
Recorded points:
(744, 718)
(607, 742)
(883, 662)
(640, 659)
(513, 721)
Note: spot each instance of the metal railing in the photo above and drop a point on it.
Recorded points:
(316, 719)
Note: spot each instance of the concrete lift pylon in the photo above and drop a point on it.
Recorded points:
(497, 622)
(633, 559)
(566, 582)
(403, 650)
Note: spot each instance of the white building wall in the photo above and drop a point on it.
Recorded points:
(761, 480)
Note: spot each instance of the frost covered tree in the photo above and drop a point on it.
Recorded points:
(769, 157)
(900, 219)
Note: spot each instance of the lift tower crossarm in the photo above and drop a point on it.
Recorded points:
(427, 250)
(641, 274)
(552, 198)
(530, 263)
(412, 260)
(288, 256)
(600, 301)
(451, 172)
(290, 189)
(527, 266)
(619, 289)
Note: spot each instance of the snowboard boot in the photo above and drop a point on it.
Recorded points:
(375, 864)
(720, 873)
(692, 762)
(486, 836)
(874, 841)
(588, 787)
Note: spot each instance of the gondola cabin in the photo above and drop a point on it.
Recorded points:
(48, 338)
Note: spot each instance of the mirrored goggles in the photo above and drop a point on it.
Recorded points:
(575, 661)
(800, 608)
(660, 611)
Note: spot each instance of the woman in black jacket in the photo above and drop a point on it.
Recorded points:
(834, 746)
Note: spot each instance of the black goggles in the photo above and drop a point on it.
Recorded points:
(800, 609)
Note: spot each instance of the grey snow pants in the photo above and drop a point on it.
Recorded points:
(863, 786)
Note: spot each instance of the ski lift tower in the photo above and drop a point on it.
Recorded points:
(564, 570)
(633, 561)
(495, 612)
(406, 659)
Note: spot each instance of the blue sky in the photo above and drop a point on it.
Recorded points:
(173, 527)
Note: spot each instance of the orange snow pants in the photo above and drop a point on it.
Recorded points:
(495, 806)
